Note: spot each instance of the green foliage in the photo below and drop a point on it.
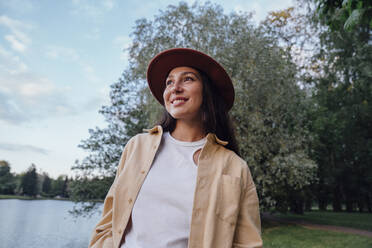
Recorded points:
(29, 182)
(269, 111)
(342, 116)
(7, 180)
(59, 187)
(91, 189)
(350, 15)
(47, 184)
(335, 66)
(88, 192)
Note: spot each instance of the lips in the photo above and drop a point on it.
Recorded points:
(177, 100)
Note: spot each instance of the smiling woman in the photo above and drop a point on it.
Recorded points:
(183, 183)
(183, 95)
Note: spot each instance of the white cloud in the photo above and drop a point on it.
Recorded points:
(108, 4)
(10, 63)
(25, 95)
(57, 52)
(60, 52)
(89, 73)
(123, 41)
(15, 44)
(18, 39)
(22, 148)
(93, 10)
(36, 89)
(93, 34)
(19, 6)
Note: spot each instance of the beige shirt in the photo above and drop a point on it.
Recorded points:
(225, 210)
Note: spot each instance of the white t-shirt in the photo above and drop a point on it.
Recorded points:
(161, 215)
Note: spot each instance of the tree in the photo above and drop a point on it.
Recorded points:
(60, 186)
(47, 184)
(65, 188)
(87, 191)
(7, 180)
(268, 112)
(29, 181)
(349, 15)
(343, 113)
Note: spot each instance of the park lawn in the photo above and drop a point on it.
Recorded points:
(354, 220)
(292, 236)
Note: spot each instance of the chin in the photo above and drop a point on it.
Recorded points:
(177, 116)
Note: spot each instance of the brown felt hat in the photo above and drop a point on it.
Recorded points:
(164, 62)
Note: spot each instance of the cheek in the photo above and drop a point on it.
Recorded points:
(199, 95)
(165, 96)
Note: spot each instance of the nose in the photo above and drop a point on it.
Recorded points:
(177, 87)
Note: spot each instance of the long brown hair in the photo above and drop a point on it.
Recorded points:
(215, 116)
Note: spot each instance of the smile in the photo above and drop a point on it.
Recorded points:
(179, 100)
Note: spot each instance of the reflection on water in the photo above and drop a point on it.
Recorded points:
(43, 224)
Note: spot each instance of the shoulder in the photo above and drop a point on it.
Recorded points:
(143, 140)
(231, 157)
(235, 165)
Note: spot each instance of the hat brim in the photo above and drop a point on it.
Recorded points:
(164, 62)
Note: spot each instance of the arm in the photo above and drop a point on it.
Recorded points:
(102, 234)
(248, 229)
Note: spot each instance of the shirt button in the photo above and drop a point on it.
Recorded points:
(120, 230)
(143, 172)
(130, 200)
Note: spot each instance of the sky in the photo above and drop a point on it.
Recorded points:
(57, 62)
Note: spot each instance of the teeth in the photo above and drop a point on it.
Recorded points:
(178, 101)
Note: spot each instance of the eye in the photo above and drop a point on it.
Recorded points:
(168, 82)
(187, 78)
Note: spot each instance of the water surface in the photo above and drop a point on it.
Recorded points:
(43, 224)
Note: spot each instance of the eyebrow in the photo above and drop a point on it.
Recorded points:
(184, 73)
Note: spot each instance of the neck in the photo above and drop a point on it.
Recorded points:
(188, 131)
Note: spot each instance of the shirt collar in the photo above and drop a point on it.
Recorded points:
(210, 136)
(155, 130)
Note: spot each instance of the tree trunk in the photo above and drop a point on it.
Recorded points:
(349, 205)
(368, 203)
(308, 203)
(297, 206)
(336, 203)
(322, 204)
(360, 204)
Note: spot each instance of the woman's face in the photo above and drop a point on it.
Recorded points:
(183, 95)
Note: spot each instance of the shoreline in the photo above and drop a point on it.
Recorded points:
(21, 197)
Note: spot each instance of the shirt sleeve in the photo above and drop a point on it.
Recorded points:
(102, 234)
(248, 229)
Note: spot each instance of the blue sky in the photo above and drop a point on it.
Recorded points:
(57, 61)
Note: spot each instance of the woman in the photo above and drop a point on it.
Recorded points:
(180, 185)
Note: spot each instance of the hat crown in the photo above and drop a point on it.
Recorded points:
(160, 66)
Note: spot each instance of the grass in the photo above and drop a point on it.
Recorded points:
(20, 197)
(292, 236)
(354, 220)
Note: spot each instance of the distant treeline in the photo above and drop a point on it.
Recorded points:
(31, 183)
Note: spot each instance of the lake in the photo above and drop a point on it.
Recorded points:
(43, 224)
